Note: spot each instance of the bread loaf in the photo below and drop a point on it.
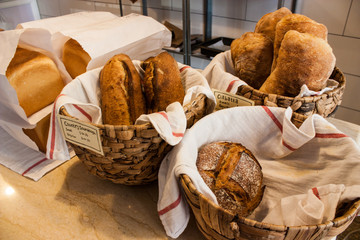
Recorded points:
(299, 23)
(252, 55)
(75, 58)
(303, 59)
(35, 78)
(40, 133)
(233, 174)
(162, 82)
(122, 100)
(267, 23)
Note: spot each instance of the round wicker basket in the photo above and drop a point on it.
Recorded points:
(216, 223)
(132, 154)
(323, 105)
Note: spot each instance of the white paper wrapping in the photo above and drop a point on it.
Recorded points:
(298, 164)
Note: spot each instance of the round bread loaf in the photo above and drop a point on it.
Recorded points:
(233, 174)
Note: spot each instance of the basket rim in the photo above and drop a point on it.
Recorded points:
(341, 81)
(187, 108)
(274, 227)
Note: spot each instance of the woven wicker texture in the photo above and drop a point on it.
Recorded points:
(132, 154)
(323, 105)
(218, 224)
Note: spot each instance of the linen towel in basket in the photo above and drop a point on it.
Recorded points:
(314, 157)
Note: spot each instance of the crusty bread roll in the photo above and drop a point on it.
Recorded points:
(233, 174)
(75, 58)
(252, 55)
(162, 82)
(267, 23)
(299, 23)
(35, 78)
(303, 59)
(122, 100)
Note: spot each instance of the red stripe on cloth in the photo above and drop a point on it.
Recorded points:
(34, 165)
(330, 135)
(52, 143)
(272, 116)
(167, 118)
(231, 84)
(316, 192)
(171, 206)
(288, 146)
(183, 68)
(88, 116)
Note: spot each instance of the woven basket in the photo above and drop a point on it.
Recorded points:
(132, 154)
(323, 105)
(216, 223)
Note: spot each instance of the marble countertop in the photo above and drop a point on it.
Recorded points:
(70, 203)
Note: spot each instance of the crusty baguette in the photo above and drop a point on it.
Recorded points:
(162, 82)
(122, 100)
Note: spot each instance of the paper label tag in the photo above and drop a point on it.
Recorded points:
(80, 133)
(229, 100)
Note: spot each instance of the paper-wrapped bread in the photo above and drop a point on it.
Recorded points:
(267, 23)
(35, 78)
(252, 55)
(299, 23)
(75, 58)
(303, 59)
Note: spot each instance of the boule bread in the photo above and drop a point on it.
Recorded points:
(300, 23)
(252, 55)
(303, 59)
(162, 82)
(122, 100)
(233, 174)
(267, 23)
(75, 58)
(35, 78)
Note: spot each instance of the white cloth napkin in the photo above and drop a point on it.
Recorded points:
(81, 98)
(293, 161)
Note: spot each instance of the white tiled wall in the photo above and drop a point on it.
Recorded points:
(231, 18)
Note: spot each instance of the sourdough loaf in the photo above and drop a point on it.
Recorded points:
(233, 174)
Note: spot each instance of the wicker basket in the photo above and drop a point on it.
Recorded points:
(216, 223)
(323, 105)
(132, 154)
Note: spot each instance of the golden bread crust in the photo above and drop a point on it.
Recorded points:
(35, 78)
(252, 55)
(299, 23)
(122, 100)
(267, 23)
(303, 59)
(75, 58)
(162, 82)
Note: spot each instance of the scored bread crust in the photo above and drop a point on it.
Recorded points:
(162, 82)
(75, 58)
(234, 175)
(35, 78)
(122, 100)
